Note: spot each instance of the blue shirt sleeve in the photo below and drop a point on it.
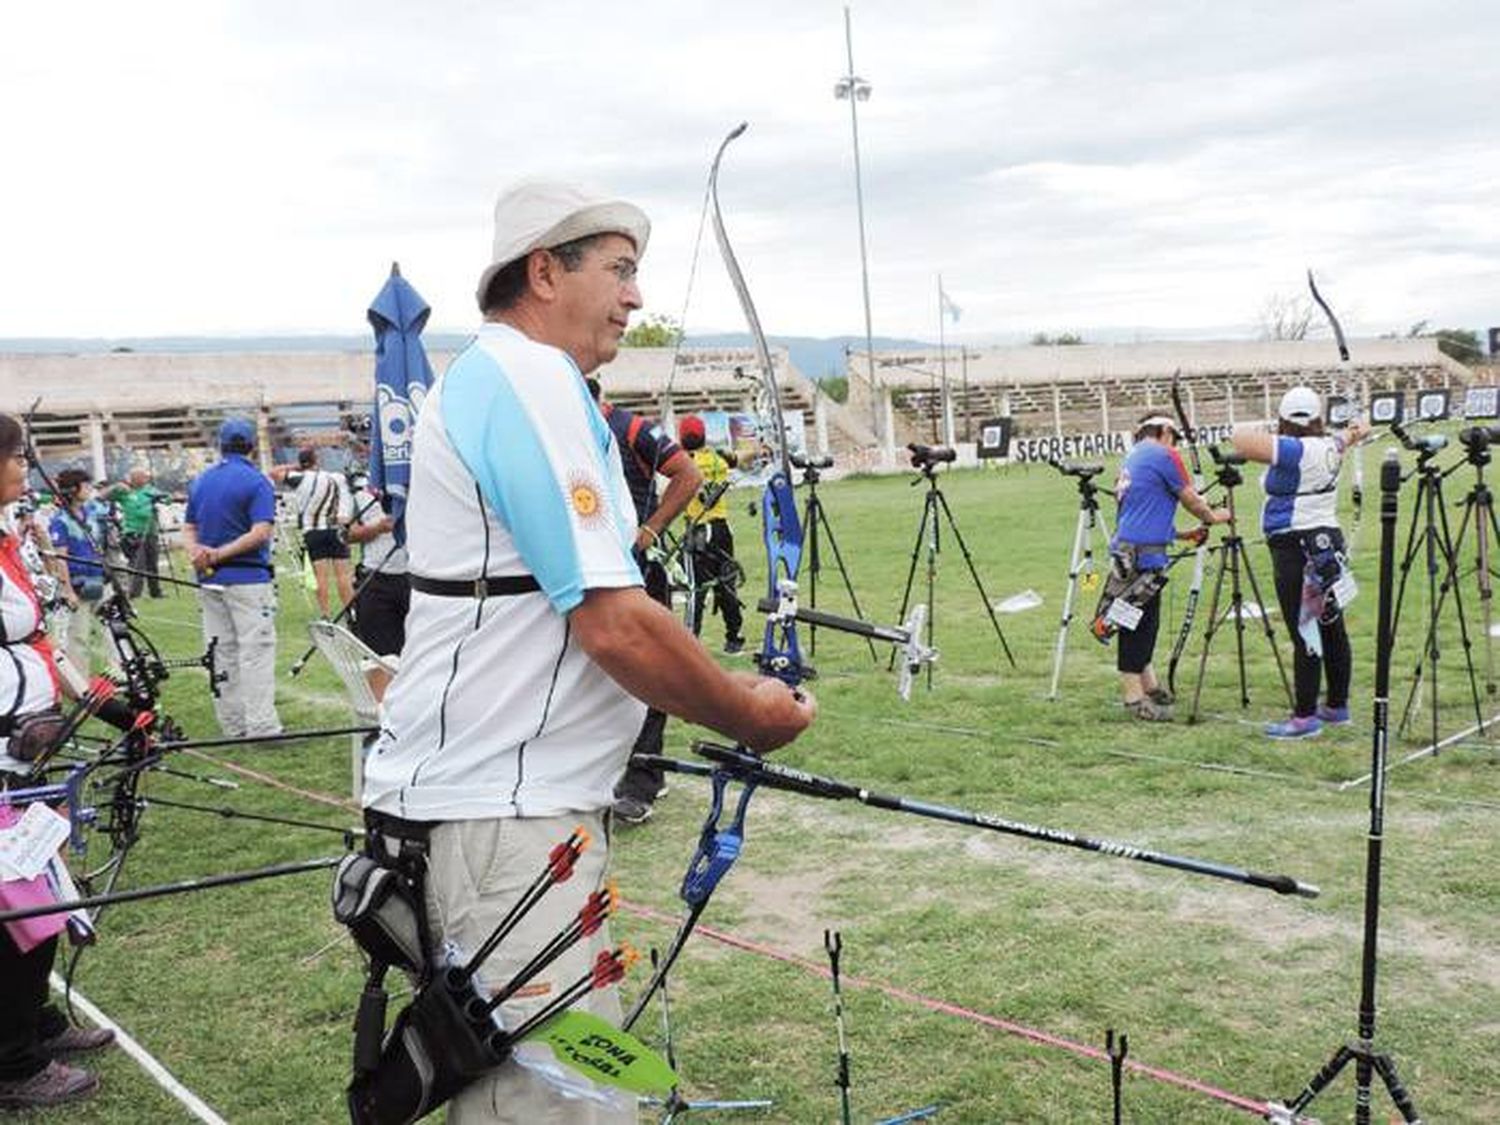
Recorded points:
(190, 514)
(507, 450)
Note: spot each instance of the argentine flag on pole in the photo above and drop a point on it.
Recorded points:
(949, 308)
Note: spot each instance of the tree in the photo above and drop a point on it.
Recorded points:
(1061, 340)
(1461, 344)
(835, 387)
(1286, 318)
(656, 331)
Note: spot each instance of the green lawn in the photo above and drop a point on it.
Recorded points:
(247, 994)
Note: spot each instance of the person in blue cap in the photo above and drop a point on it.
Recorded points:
(231, 512)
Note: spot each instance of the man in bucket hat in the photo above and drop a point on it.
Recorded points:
(521, 685)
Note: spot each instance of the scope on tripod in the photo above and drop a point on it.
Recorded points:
(802, 461)
(1074, 469)
(1480, 437)
(925, 456)
(1427, 443)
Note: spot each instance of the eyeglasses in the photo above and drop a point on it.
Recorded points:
(624, 269)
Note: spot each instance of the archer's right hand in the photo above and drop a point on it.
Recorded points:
(778, 714)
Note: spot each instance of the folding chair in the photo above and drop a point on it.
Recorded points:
(353, 661)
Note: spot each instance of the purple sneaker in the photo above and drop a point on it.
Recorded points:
(1298, 726)
(1333, 716)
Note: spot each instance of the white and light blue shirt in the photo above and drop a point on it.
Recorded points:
(497, 711)
(1302, 484)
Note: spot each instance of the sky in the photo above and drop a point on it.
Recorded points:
(1123, 170)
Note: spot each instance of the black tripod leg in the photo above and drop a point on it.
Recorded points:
(838, 559)
(1208, 635)
(1237, 610)
(1386, 1068)
(1408, 556)
(1265, 621)
(1450, 549)
(814, 564)
(1485, 527)
(1331, 1070)
(973, 573)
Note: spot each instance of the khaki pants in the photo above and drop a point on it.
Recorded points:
(477, 870)
(243, 619)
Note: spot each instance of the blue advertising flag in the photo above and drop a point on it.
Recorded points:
(402, 375)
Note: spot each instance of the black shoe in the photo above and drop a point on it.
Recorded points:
(631, 810)
(734, 645)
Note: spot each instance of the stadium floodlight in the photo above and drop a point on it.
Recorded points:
(854, 89)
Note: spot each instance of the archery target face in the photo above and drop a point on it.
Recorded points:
(1386, 408)
(1482, 402)
(1432, 406)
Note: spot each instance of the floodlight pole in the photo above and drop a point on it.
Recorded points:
(856, 90)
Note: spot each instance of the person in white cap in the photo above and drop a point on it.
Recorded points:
(522, 685)
(1300, 522)
(1152, 482)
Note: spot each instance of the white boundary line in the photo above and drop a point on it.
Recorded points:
(189, 1100)
(1424, 752)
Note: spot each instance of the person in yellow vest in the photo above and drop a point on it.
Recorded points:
(710, 542)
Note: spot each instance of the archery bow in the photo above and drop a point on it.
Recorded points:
(780, 654)
(1357, 490)
(1200, 553)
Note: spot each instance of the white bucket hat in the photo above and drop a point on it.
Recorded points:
(1300, 405)
(538, 214)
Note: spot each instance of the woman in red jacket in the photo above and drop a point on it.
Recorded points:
(34, 1036)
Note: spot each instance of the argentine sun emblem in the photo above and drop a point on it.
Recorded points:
(586, 498)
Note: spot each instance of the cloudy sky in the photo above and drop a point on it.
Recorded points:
(1117, 168)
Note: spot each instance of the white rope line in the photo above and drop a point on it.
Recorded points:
(1424, 752)
(188, 1100)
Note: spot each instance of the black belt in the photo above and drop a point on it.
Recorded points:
(390, 840)
(502, 586)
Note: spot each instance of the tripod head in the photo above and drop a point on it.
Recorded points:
(1084, 474)
(926, 458)
(1476, 441)
(810, 466)
(1426, 447)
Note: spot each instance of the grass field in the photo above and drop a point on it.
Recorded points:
(247, 994)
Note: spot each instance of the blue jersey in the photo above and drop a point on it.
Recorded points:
(224, 502)
(1151, 477)
(71, 536)
(1302, 484)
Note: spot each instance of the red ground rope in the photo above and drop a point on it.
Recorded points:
(1010, 1027)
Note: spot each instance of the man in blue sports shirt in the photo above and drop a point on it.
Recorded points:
(231, 511)
(523, 682)
(1152, 482)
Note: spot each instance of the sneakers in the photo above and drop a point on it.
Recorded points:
(1333, 716)
(54, 1084)
(1298, 726)
(733, 645)
(78, 1041)
(1148, 710)
(631, 810)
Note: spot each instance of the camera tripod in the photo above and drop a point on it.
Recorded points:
(935, 504)
(1081, 561)
(1367, 1061)
(1234, 562)
(1435, 542)
(815, 524)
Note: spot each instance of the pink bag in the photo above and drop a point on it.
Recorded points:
(16, 894)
